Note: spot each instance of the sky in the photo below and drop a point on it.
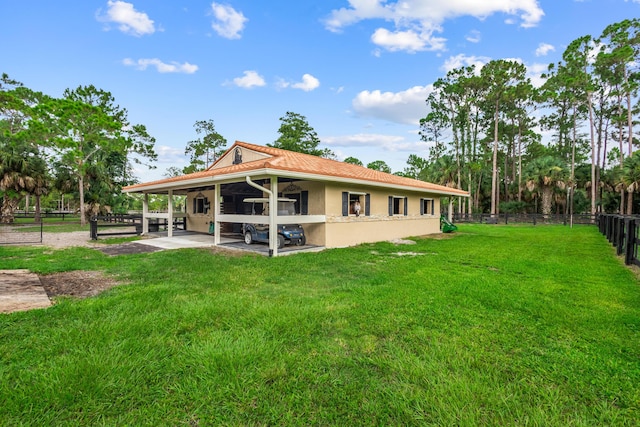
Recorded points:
(358, 70)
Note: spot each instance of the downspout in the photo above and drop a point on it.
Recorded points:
(273, 209)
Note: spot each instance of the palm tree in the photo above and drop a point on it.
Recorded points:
(631, 175)
(14, 179)
(544, 174)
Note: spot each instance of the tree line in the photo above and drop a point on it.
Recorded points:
(486, 128)
(81, 143)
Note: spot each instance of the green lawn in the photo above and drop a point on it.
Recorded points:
(493, 325)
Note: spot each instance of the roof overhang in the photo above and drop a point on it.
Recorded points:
(186, 184)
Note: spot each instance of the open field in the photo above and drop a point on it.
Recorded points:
(493, 325)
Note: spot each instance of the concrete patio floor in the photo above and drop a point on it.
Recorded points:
(21, 290)
(190, 239)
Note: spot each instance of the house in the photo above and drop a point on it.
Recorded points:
(338, 204)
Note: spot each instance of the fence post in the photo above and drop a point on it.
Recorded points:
(621, 237)
(93, 228)
(630, 249)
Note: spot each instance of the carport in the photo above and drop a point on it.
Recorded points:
(325, 193)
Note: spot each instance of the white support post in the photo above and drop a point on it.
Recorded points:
(273, 216)
(145, 213)
(216, 212)
(450, 213)
(170, 209)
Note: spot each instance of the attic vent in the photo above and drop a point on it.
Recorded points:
(237, 156)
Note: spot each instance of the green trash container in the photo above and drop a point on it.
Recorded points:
(212, 226)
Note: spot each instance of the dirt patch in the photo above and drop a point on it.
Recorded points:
(78, 284)
(127, 249)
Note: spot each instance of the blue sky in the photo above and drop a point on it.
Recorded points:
(359, 70)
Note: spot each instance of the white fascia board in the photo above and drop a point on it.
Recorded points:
(187, 183)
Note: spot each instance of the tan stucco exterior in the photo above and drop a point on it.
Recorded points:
(200, 221)
(328, 192)
(340, 231)
(379, 225)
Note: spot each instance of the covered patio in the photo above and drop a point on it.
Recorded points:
(181, 239)
(336, 204)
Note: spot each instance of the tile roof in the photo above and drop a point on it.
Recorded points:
(292, 163)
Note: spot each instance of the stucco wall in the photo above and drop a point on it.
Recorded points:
(199, 222)
(247, 156)
(340, 231)
(379, 225)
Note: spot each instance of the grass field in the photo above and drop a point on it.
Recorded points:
(492, 325)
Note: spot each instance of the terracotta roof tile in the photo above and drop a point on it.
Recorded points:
(290, 161)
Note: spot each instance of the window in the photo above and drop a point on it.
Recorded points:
(427, 207)
(200, 204)
(398, 205)
(355, 204)
(302, 201)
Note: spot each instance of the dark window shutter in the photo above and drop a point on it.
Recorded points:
(433, 204)
(367, 204)
(406, 206)
(304, 203)
(345, 203)
(422, 202)
(195, 205)
(390, 205)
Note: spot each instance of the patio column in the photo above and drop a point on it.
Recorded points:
(216, 212)
(170, 218)
(145, 213)
(273, 216)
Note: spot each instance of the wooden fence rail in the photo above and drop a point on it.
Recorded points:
(111, 222)
(622, 232)
(127, 221)
(510, 218)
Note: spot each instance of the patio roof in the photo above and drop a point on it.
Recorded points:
(289, 164)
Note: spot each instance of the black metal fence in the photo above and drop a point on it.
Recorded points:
(622, 232)
(20, 234)
(535, 219)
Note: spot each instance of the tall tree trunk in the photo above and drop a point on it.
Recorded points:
(9, 205)
(630, 140)
(494, 173)
(547, 199)
(83, 220)
(593, 156)
(37, 216)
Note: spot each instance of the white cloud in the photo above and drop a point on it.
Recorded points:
(544, 48)
(129, 20)
(249, 79)
(161, 67)
(405, 107)
(228, 22)
(307, 84)
(535, 71)
(409, 41)
(473, 36)
(463, 60)
(415, 21)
